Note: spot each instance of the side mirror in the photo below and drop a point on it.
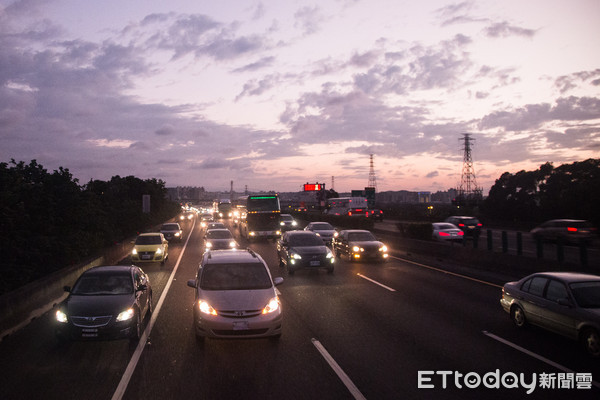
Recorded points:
(192, 283)
(278, 280)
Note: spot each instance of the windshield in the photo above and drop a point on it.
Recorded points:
(154, 239)
(103, 284)
(304, 240)
(361, 237)
(234, 277)
(587, 294)
(444, 226)
(322, 226)
(219, 234)
(170, 227)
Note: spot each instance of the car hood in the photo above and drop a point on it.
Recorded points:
(78, 305)
(325, 233)
(220, 242)
(255, 299)
(147, 247)
(309, 250)
(368, 243)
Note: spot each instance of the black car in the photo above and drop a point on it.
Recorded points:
(172, 231)
(105, 302)
(469, 225)
(567, 230)
(303, 249)
(358, 244)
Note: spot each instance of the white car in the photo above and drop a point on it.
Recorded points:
(235, 296)
(323, 229)
(447, 232)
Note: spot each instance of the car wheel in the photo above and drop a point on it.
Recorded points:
(150, 306)
(591, 342)
(518, 317)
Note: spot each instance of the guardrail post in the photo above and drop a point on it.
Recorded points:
(504, 242)
(490, 245)
(519, 243)
(539, 247)
(583, 255)
(560, 250)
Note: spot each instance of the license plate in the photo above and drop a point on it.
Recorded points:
(315, 263)
(240, 326)
(146, 257)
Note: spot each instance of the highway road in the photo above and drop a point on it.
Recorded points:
(397, 330)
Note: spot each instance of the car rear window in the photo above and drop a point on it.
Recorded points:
(587, 294)
(234, 277)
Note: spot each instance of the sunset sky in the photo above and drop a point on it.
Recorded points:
(273, 94)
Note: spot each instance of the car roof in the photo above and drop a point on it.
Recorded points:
(299, 232)
(150, 234)
(567, 276)
(229, 256)
(355, 230)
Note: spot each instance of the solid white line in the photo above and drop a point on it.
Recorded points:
(120, 391)
(377, 283)
(447, 272)
(338, 370)
(534, 355)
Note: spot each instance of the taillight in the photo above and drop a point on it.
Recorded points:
(461, 224)
(444, 234)
(570, 229)
(460, 233)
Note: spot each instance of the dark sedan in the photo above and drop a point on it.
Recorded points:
(219, 239)
(303, 249)
(358, 245)
(105, 302)
(566, 303)
(172, 231)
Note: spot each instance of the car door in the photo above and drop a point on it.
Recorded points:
(141, 290)
(282, 249)
(558, 313)
(532, 299)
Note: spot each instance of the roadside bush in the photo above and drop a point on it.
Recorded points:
(416, 230)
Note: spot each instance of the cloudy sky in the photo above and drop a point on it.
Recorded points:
(272, 94)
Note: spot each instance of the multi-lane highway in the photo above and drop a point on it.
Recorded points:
(398, 330)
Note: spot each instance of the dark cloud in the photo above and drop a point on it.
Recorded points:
(505, 29)
(566, 83)
(255, 66)
(308, 19)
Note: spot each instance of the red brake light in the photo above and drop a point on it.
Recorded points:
(570, 229)
(461, 233)
(479, 224)
(444, 234)
(461, 224)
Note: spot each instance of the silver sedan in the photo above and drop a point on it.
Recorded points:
(566, 303)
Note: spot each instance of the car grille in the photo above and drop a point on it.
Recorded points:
(239, 313)
(91, 322)
(248, 332)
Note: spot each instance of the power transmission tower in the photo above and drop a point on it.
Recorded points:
(468, 192)
(372, 178)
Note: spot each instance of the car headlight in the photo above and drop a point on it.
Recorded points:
(355, 248)
(294, 223)
(126, 315)
(159, 251)
(383, 248)
(61, 316)
(282, 223)
(232, 244)
(295, 256)
(272, 306)
(329, 254)
(177, 234)
(134, 251)
(206, 308)
(208, 245)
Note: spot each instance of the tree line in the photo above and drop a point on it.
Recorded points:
(49, 221)
(529, 197)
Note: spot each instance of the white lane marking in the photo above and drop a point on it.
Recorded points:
(534, 355)
(377, 283)
(338, 370)
(120, 391)
(447, 272)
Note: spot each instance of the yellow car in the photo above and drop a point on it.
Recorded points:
(150, 247)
